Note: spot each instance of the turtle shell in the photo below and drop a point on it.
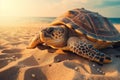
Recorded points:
(89, 23)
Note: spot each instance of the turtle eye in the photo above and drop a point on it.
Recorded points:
(50, 30)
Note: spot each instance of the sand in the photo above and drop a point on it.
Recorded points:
(45, 63)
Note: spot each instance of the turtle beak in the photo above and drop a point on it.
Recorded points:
(44, 33)
(43, 30)
(47, 32)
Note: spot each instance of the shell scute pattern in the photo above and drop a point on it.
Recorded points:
(90, 24)
(82, 32)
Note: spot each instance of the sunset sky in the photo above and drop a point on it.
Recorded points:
(53, 8)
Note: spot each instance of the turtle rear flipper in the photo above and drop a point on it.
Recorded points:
(34, 42)
(116, 45)
(86, 50)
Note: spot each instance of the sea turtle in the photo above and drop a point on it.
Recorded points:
(81, 31)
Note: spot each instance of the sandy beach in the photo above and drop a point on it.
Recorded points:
(45, 63)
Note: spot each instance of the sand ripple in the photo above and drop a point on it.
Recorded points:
(45, 63)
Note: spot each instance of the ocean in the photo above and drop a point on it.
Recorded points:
(114, 20)
(10, 21)
(50, 19)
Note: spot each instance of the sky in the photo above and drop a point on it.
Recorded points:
(54, 8)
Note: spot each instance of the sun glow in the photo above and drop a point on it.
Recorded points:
(50, 8)
(7, 7)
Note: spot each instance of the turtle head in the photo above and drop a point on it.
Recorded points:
(54, 36)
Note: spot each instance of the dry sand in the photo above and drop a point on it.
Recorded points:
(45, 63)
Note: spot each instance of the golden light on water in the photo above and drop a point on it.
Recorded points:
(8, 21)
(7, 10)
(12, 10)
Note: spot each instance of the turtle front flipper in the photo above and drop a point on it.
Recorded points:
(86, 50)
(34, 42)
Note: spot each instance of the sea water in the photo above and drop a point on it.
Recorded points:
(36, 20)
(50, 19)
(114, 20)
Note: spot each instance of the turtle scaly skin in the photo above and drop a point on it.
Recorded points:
(35, 41)
(81, 31)
(73, 43)
(87, 51)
